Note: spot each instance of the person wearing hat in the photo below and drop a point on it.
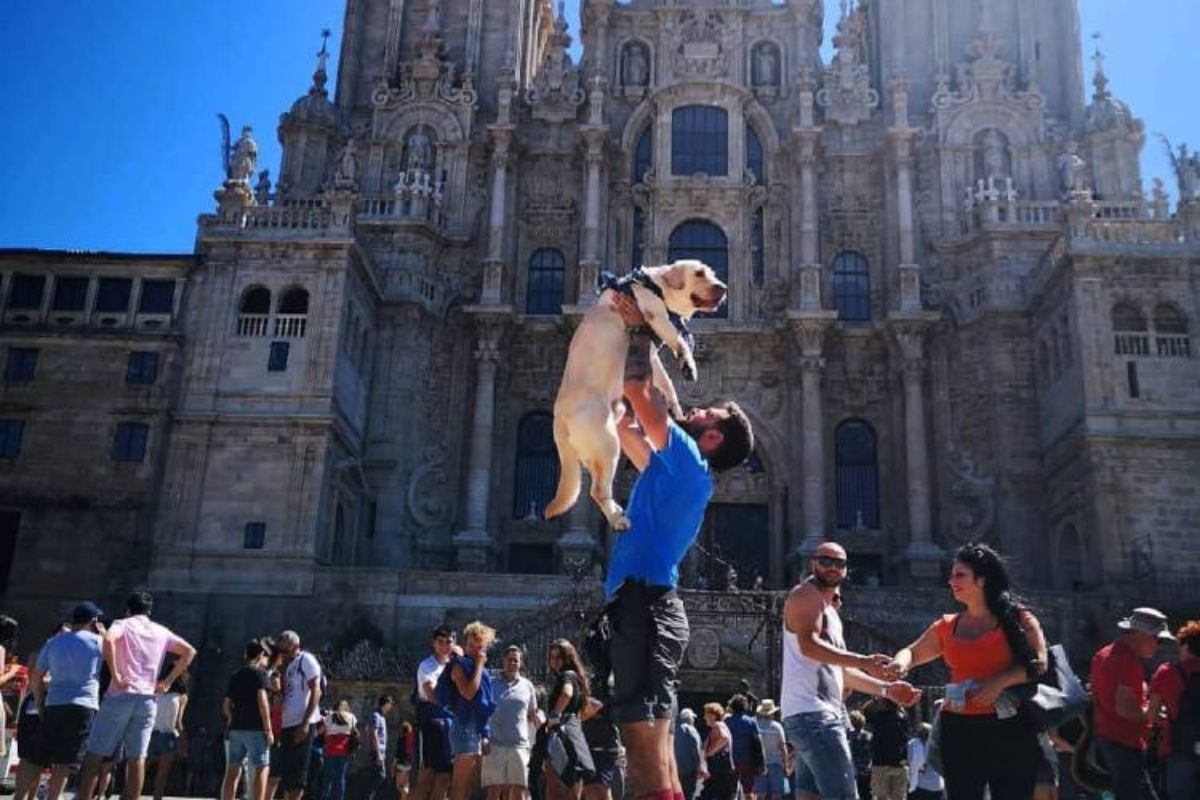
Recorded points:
(72, 659)
(1120, 701)
(772, 784)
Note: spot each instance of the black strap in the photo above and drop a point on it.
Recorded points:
(607, 280)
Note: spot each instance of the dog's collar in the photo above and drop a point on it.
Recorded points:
(607, 280)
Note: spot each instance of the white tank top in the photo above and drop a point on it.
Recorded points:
(809, 685)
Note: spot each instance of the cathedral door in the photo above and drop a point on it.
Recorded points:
(734, 535)
(10, 522)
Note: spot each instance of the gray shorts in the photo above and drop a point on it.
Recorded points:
(649, 630)
(126, 719)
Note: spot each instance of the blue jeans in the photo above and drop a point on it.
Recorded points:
(823, 763)
(333, 778)
(1183, 776)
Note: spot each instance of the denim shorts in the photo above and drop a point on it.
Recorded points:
(465, 739)
(248, 748)
(123, 719)
(823, 763)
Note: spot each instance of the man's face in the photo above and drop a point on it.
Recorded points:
(288, 648)
(512, 663)
(829, 566)
(385, 709)
(1144, 644)
(442, 646)
(701, 424)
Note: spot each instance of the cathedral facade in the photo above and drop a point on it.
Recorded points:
(954, 315)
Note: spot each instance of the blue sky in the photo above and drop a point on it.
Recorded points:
(111, 139)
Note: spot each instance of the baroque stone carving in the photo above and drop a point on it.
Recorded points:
(1187, 171)
(702, 48)
(1070, 172)
(425, 495)
(764, 65)
(846, 93)
(429, 76)
(556, 94)
(973, 497)
(704, 649)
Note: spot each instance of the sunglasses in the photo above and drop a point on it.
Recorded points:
(830, 561)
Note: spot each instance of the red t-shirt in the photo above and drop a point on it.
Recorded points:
(1168, 684)
(973, 659)
(1117, 665)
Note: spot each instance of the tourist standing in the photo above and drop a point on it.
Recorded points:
(505, 770)
(1120, 701)
(168, 727)
(248, 731)
(134, 648)
(772, 783)
(689, 752)
(1175, 698)
(993, 644)
(468, 695)
(406, 756)
(746, 745)
(341, 730)
(720, 779)
(10, 672)
(569, 759)
(860, 753)
(66, 704)
(889, 750)
(302, 691)
(434, 761)
(377, 743)
(817, 669)
(924, 782)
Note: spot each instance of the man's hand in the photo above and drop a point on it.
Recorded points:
(627, 308)
(119, 680)
(480, 660)
(876, 666)
(894, 670)
(903, 693)
(162, 687)
(301, 733)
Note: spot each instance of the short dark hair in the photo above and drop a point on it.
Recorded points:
(738, 704)
(139, 603)
(384, 699)
(738, 440)
(254, 648)
(442, 630)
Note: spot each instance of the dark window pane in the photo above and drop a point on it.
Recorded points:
(758, 256)
(703, 241)
(643, 157)
(130, 442)
(158, 297)
(537, 465)
(11, 433)
(21, 365)
(857, 474)
(26, 293)
(294, 301)
(143, 368)
(545, 292)
(852, 287)
(256, 301)
(255, 536)
(754, 155)
(277, 361)
(70, 294)
(699, 141)
(113, 294)
(1128, 318)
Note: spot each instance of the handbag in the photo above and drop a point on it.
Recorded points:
(1059, 698)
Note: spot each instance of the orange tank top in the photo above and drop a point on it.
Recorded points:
(973, 659)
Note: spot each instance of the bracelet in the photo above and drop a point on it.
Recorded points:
(883, 689)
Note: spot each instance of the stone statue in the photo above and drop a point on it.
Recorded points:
(262, 189)
(766, 66)
(637, 66)
(243, 159)
(346, 175)
(419, 151)
(1187, 169)
(993, 154)
(1070, 171)
(1160, 203)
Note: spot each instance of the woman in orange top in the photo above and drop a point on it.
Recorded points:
(994, 643)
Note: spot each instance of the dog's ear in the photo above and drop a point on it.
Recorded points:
(673, 277)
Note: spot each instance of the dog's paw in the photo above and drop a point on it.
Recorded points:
(687, 365)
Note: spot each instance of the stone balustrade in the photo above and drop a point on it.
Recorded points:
(290, 326)
(253, 324)
(1132, 344)
(401, 207)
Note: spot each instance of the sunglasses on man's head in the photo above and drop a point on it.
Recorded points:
(830, 561)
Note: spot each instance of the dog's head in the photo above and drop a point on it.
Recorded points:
(688, 286)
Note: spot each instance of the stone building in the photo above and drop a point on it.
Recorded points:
(953, 315)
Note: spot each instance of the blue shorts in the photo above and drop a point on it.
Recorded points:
(247, 748)
(162, 743)
(465, 740)
(126, 719)
(823, 763)
(772, 782)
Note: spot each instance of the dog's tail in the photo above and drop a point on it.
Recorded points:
(570, 476)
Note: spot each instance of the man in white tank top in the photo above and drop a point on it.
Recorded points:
(817, 668)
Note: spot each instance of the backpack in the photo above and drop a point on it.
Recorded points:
(1185, 728)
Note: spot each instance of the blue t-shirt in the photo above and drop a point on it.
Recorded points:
(665, 510)
(73, 660)
(742, 730)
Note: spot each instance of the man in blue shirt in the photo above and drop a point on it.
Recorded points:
(666, 508)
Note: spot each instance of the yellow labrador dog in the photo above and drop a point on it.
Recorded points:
(589, 397)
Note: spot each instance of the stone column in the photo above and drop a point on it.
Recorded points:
(809, 332)
(475, 545)
(577, 546)
(806, 136)
(493, 265)
(589, 264)
(903, 139)
(924, 557)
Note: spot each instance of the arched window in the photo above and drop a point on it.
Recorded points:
(1129, 331)
(291, 316)
(1171, 332)
(545, 292)
(643, 154)
(758, 256)
(536, 475)
(700, 141)
(857, 467)
(852, 287)
(639, 238)
(706, 242)
(754, 156)
(256, 300)
(1127, 317)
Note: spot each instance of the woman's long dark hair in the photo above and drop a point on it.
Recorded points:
(8, 633)
(1006, 606)
(572, 661)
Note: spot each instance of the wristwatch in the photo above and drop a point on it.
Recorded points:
(883, 689)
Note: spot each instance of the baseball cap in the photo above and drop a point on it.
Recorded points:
(86, 612)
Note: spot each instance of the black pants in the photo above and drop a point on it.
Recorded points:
(983, 750)
(1128, 769)
(649, 631)
(294, 758)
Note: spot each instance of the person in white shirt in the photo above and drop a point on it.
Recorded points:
(433, 763)
(924, 782)
(302, 689)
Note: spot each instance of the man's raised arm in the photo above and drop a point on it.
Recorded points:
(648, 403)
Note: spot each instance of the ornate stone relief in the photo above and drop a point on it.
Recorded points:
(846, 93)
(425, 495)
(702, 45)
(556, 93)
(972, 498)
(545, 197)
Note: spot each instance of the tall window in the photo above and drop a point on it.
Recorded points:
(700, 140)
(537, 465)
(1171, 332)
(158, 297)
(26, 292)
(113, 295)
(11, 433)
(1130, 331)
(758, 255)
(702, 240)
(254, 537)
(754, 155)
(70, 294)
(643, 155)
(857, 467)
(852, 287)
(545, 292)
(130, 442)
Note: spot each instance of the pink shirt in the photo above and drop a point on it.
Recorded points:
(140, 646)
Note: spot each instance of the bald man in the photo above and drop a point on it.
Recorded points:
(817, 668)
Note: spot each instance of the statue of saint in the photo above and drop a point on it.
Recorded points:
(419, 151)
(637, 66)
(766, 66)
(346, 175)
(993, 154)
(1070, 171)
(244, 157)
